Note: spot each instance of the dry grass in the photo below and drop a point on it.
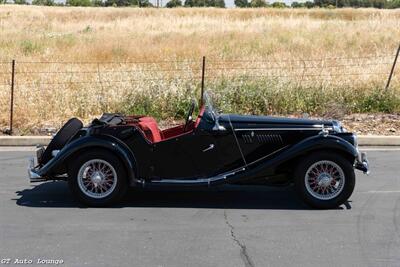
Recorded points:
(131, 34)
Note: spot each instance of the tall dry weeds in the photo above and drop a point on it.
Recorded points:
(256, 58)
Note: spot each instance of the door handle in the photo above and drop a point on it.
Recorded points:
(211, 146)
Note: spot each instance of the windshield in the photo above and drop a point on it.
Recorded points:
(210, 113)
(207, 100)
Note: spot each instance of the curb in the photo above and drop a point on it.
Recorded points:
(24, 140)
(363, 140)
(378, 140)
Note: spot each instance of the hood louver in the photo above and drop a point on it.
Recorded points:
(262, 138)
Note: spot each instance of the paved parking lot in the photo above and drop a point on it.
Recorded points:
(228, 226)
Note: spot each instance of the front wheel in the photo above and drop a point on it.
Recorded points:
(97, 178)
(324, 180)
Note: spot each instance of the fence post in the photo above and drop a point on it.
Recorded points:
(203, 70)
(12, 96)
(392, 70)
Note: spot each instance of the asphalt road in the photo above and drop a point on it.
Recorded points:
(228, 226)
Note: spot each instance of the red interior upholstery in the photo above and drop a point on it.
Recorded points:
(199, 117)
(150, 129)
(153, 134)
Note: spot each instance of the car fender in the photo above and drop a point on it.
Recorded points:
(269, 162)
(320, 142)
(99, 141)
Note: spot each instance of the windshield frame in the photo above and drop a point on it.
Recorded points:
(209, 106)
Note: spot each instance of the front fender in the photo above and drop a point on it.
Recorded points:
(99, 141)
(263, 166)
(320, 142)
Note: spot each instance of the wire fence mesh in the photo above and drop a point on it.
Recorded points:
(50, 92)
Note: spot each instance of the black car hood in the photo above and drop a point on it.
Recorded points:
(273, 121)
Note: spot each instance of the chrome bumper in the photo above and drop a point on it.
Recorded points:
(32, 171)
(362, 163)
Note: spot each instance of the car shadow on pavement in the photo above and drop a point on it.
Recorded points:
(57, 194)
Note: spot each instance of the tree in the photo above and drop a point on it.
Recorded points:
(144, 3)
(258, 3)
(205, 3)
(279, 5)
(241, 3)
(219, 3)
(97, 3)
(43, 2)
(174, 3)
(78, 3)
(121, 3)
(20, 2)
(309, 4)
(297, 4)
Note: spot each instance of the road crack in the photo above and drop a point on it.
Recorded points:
(243, 250)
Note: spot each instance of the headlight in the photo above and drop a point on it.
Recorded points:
(337, 127)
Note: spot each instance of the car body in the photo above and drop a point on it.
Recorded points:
(116, 151)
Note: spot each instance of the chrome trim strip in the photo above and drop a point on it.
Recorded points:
(283, 129)
(199, 181)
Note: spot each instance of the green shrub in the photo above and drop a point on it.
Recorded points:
(174, 3)
(241, 3)
(97, 3)
(297, 5)
(205, 3)
(30, 47)
(43, 2)
(309, 4)
(78, 3)
(120, 3)
(279, 5)
(258, 3)
(20, 2)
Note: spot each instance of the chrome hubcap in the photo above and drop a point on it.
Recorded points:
(97, 178)
(324, 180)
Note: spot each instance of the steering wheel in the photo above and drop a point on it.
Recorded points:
(189, 115)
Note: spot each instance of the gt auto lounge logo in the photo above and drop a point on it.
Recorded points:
(39, 261)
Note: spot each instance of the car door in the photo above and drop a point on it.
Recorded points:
(189, 156)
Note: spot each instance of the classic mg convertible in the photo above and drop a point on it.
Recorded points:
(102, 160)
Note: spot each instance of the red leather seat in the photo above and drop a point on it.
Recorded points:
(150, 129)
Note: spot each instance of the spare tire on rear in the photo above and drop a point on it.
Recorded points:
(70, 128)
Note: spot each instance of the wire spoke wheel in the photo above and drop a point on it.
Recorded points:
(97, 178)
(324, 180)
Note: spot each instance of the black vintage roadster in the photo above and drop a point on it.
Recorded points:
(114, 152)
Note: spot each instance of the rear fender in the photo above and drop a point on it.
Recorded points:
(87, 142)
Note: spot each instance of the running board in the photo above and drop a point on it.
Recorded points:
(222, 178)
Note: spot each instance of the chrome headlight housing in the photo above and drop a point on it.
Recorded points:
(337, 127)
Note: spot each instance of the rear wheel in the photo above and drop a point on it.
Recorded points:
(97, 178)
(324, 180)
